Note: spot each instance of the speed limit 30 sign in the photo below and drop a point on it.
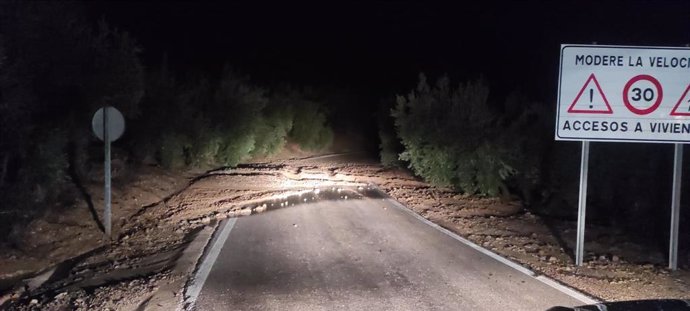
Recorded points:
(624, 93)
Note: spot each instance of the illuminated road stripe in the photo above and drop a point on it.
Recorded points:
(216, 244)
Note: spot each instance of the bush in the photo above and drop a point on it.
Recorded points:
(230, 121)
(452, 138)
(448, 138)
(310, 129)
(49, 160)
(171, 150)
(272, 130)
(492, 170)
(235, 147)
(437, 164)
(526, 138)
(205, 146)
(389, 144)
(388, 149)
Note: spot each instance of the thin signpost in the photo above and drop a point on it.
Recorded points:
(582, 204)
(675, 206)
(107, 195)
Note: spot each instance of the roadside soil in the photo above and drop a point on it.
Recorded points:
(63, 261)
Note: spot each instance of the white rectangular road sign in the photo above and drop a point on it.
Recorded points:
(624, 93)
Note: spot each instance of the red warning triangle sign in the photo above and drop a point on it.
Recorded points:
(682, 108)
(591, 99)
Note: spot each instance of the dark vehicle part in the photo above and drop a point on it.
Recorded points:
(634, 305)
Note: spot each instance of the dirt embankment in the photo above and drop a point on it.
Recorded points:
(64, 262)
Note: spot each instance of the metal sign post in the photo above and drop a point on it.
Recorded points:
(675, 207)
(106, 194)
(108, 124)
(582, 204)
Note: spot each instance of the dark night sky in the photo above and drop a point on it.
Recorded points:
(380, 47)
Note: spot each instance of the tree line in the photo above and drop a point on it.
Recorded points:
(57, 68)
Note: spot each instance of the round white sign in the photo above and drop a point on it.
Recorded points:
(115, 122)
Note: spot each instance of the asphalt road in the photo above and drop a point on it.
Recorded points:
(361, 254)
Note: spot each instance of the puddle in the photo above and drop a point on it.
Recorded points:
(332, 193)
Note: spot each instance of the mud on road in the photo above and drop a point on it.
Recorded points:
(163, 220)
